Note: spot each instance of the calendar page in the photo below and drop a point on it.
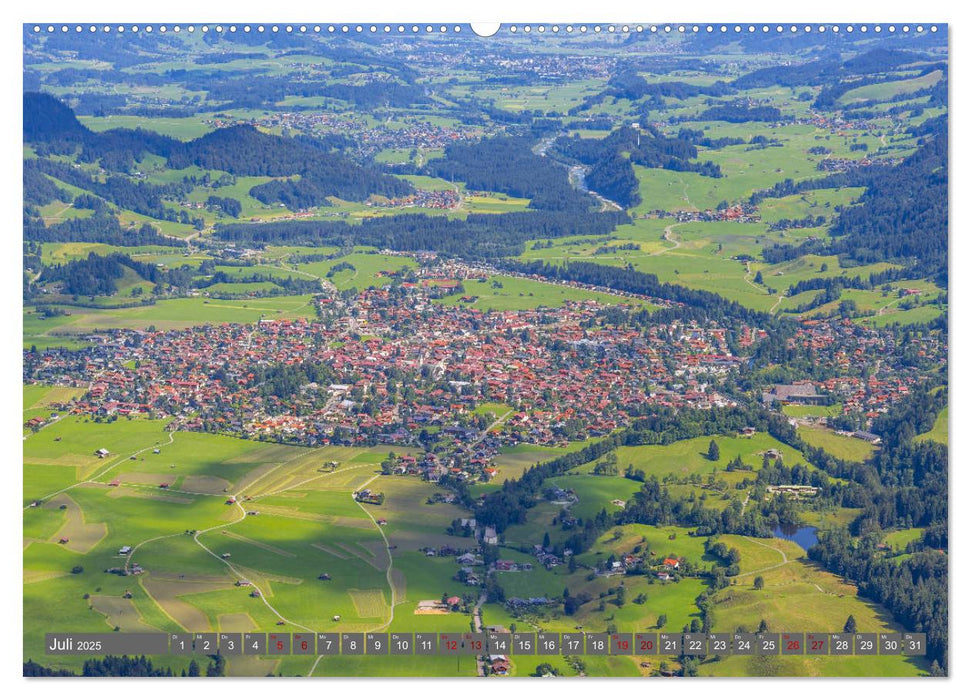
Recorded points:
(448, 350)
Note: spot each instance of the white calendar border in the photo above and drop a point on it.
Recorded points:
(546, 11)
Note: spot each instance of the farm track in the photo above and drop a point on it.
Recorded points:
(668, 236)
(93, 479)
(883, 309)
(748, 273)
(785, 559)
(236, 571)
(326, 285)
(242, 510)
(223, 526)
(497, 422)
(195, 537)
(387, 548)
(387, 574)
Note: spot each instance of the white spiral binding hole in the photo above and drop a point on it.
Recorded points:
(568, 30)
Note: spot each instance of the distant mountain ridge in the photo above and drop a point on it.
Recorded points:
(241, 150)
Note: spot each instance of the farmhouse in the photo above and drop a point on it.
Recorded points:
(431, 607)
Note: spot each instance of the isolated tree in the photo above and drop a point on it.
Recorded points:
(763, 625)
(759, 583)
(850, 626)
(662, 620)
(216, 667)
(713, 452)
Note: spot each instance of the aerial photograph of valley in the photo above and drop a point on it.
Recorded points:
(393, 350)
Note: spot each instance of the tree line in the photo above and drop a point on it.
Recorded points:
(478, 236)
(507, 164)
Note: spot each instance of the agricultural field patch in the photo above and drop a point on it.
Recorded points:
(841, 446)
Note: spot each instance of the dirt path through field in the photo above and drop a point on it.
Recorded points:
(785, 559)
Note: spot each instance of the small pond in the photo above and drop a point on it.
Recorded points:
(804, 536)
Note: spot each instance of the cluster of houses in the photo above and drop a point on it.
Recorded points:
(38, 422)
(868, 370)
(796, 491)
(408, 132)
(369, 496)
(423, 199)
(663, 569)
(551, 66)
(446, 551)
(668, 567)
(842, 165)
(744, 213)
(565, 373)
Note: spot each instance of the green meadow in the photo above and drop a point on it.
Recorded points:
(939, 431)
(686, 458)
(195, 546)
(369, 270)
(70, 330)
(502, 293)
(842, 446)
(890, 89)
